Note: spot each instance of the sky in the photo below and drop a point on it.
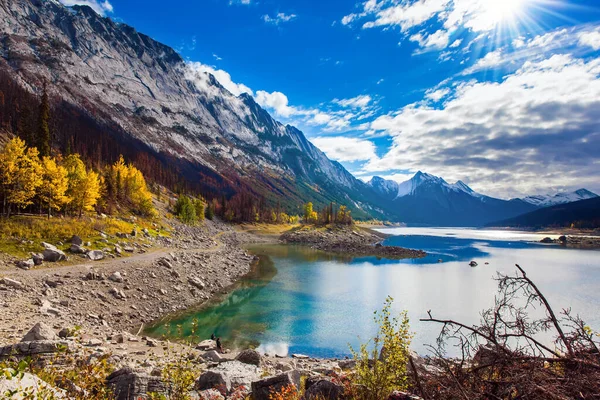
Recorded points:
(501, 94)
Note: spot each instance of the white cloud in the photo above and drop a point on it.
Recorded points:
(456, 43)
(198, 73)
(489, 61)
(437, 95)
(536, 128)
(279, 18)
(346, 149)
(355, 102)
(276, 101)
(101, 7)
(216, 56)
(436, 40)
(591, 39)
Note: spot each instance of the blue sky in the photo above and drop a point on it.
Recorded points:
(502, 94)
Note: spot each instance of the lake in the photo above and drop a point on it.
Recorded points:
(299, 300)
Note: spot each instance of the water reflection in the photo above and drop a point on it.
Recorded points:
(301, 300)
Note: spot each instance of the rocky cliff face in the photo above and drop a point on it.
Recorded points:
(121, 77)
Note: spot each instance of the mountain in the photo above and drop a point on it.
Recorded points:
(559, 198)
(115, 90)
(580, 214)
(430, 200)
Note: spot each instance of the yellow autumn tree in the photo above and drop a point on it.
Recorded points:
(125, 183)
(56, 182)
(20, 174)
(84, 185)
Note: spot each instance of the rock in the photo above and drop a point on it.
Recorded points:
(76, 240)
(347, 364)
(94, 276)
(122, 235)
(228, 376)
(547, 240)
(128, 384)
(40, 331)
(322, 389)
(473, 264)
(212, 355)
(53, 255)
(65, 333)
(210, 394)
(13, 283)
(29, 383)
(26, 264)
(165, 263)
(39, 347)
(116, 277)
(129, 249)
(118, 250)
(397, 395)
(206, 345)
(95, 255)
(300, 356)
(196, 282)
(118, 294)
(562, 239)
(38, 259)
(77, 249)
(263, 389)
(249, 356)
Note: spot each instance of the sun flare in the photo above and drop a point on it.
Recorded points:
(502, 11)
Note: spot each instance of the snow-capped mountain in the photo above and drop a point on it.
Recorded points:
(147, 97)
(549, 200)
(428, 199)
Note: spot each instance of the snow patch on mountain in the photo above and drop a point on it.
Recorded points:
(548, 200)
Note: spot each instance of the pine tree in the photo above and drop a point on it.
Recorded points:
(56, 183)
(43, 134)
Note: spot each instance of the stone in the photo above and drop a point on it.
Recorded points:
(397, 395)
(95, 255)
(29, 383)
(347, 364)
(94, 276)
(40, 331)
(228, 376)
(13, 283)
(473, 264)
(26, 264)
(76, 240)
(206, 345)
(210, 394)
(118, 294)
(129, 249)
(212, 355)
(196, 282)
(547, 240)
(249, 357)
(66, 333)
(118, 250)
(322, 389)
(53, 255)
(263, 389)
(128, 384)
(116, 277)
(300, 356)
(38, 347)
(77, 249)
(37, 258)
(562, 239)
(165, 263)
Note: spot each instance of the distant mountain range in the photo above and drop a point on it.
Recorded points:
(430, 200)
(583, 214)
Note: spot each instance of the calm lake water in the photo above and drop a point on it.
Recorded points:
(303, 301)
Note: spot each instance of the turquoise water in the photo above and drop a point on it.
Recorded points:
(299, 300)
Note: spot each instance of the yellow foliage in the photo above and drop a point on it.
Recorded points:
(84, 185)
(20, 173)
(56, 183)
(127, 183)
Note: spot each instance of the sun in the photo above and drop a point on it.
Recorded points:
(497, 12)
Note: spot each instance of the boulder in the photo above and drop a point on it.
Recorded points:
(228, 376)
(29, 383)
(36, 348)
(347, 364)
(562, 239)
(128, 384)
(53, 254)
(322, 389)
(210, 394)
(264, 389)
(249, 356)
(76, 240)
(129, 249)
(547, 240)
(118, 294)
(95, 255)
(37, 258)
(26, 264)
(12, 283)
(473, 264)
(40, 331)
(94, 276)
(76, 249)
(397, 395)
(212, 355)
(165, 263)
(116, 277)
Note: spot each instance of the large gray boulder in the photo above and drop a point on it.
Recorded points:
(29, 383)
(116, 277)
(26, 264)
(95, 255)
(77, 249)
(76, 240)
(323, 389)
(263, 389)
(12, 283)
(249, 356)
(52, 254)
(40, 331)
(228, 376)
(128, 384)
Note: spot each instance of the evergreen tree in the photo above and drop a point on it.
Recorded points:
(43, 133)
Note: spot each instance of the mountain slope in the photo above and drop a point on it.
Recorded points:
(579, 214)
(148, 98)
(559, 198)
(430, 200)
